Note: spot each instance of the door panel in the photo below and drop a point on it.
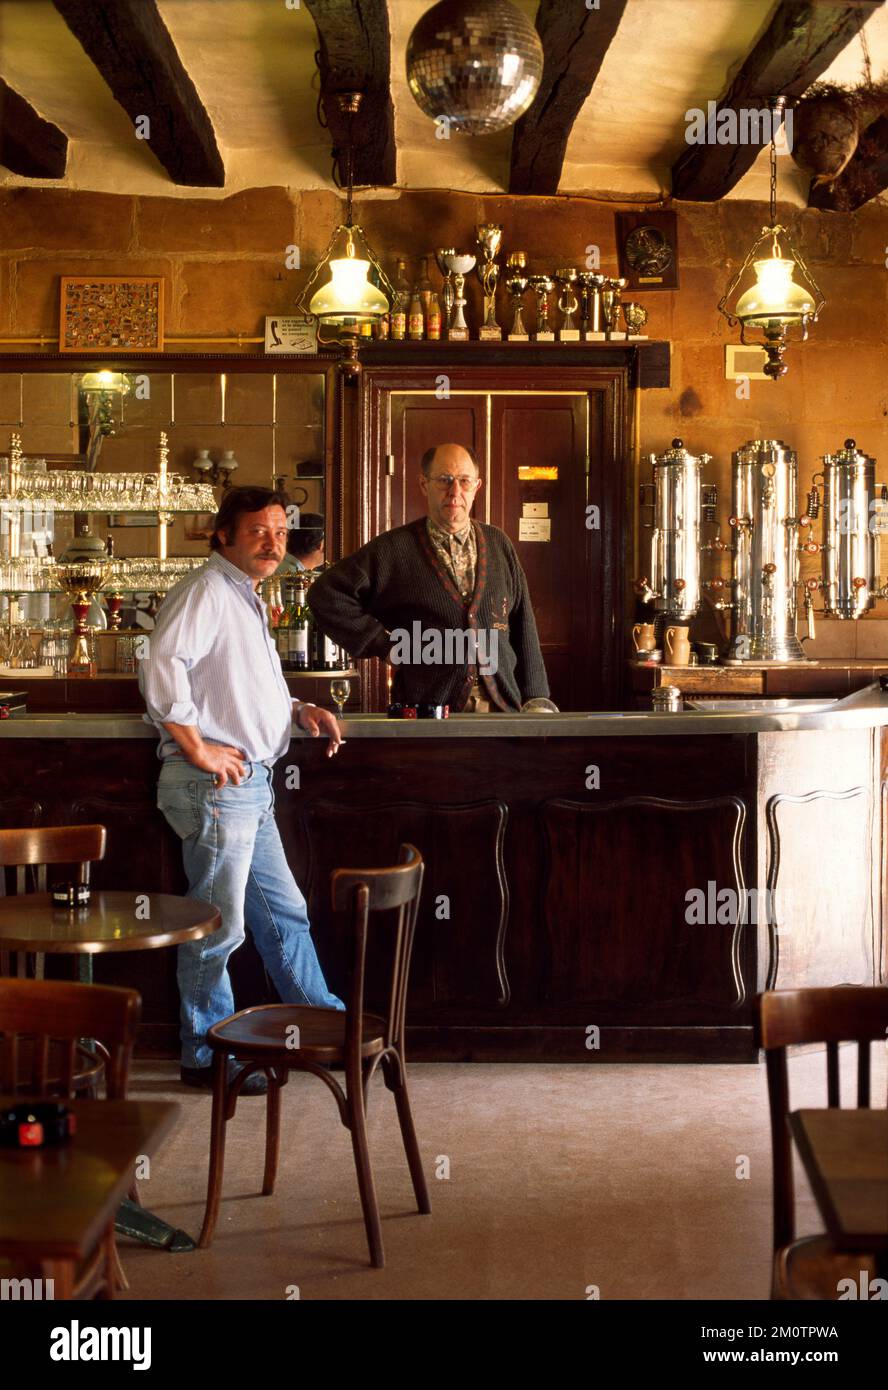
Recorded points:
(419, 421)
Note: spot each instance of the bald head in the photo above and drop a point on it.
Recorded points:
(449, 502)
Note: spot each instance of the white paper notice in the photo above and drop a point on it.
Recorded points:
(290, 335)
(535, 509)
(532, 528)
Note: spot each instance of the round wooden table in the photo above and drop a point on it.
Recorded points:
(33, 923)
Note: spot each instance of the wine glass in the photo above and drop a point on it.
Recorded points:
(340, 689)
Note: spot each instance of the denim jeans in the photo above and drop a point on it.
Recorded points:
(234, 859)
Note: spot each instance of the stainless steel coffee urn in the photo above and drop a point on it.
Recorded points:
(851, 522)
(680, 503)
(766, 553)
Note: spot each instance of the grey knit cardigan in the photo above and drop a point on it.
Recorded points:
(397, 580)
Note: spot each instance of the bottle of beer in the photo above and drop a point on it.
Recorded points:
(298, 630)
(416, 318)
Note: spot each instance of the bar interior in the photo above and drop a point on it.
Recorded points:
(443, 634)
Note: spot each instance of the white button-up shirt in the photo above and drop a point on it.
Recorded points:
(211, 662)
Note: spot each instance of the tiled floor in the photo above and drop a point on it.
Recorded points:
(544, 1180)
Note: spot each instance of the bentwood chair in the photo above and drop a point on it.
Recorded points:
(30, 851)
(40, 1024)
(280, 1038)
(811, 1268)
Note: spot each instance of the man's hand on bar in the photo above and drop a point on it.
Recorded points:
(314, 720)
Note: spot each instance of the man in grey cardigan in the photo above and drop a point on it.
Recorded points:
(443, 599)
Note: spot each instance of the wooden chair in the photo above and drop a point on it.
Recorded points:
(811, 1268)
(30, 851)
(265, 1039)
(34, 1014)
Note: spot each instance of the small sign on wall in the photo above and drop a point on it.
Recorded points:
(534, 528)
(298, 334)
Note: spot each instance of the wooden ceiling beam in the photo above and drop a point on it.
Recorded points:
(354, 55)
(575, 41)
(864, 176)
(29, 145)
(801, 41)
(131, 46)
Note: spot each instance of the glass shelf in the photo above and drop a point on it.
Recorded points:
(123, 576)
(66, 491)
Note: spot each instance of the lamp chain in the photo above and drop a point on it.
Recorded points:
(773, 179)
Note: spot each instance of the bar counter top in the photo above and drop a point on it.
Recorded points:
(867, 708)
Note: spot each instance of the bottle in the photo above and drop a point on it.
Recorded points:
(282, 631)
(424, 284)
(402, 298)
(298, 630)
(416, 320)
(433, 318)
(330, 660)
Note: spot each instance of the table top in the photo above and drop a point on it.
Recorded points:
(110, 922)
(845, 1154)
(55, 1202)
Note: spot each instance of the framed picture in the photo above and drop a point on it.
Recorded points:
(111, 313)
(647, 249)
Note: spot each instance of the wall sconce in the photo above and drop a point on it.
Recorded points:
(209, 472)
(774, 303)
(347, 299)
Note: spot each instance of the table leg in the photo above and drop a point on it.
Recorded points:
(148, 1229)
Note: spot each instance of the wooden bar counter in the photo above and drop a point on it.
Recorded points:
(565, 855)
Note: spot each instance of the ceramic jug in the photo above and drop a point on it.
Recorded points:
(678, 648)
(643, 637)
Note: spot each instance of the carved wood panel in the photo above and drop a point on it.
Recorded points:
(459, 952)
(616, 909)
(823, 927)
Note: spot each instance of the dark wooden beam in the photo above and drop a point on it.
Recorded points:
(864, 176)
(801, 41)
(575, 40)
(29, 145)
(354, 55)
(132, 49)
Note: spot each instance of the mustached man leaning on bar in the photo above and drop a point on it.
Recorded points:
(446, 574)
(214, 689)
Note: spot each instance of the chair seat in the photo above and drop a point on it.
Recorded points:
(811, 1269)
(263, 1031)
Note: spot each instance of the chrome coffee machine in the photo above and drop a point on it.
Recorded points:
(680, 503)
(853, 517)
(765, 554)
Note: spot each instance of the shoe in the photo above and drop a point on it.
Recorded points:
(202, 1078)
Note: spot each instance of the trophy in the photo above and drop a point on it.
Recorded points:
(82, 579)
(459, 266)
(635, 317)
(591, 284)
(542, 286)
(517, 284)
(610, 303)
(568, 304)
(489, 237)
(447, 297)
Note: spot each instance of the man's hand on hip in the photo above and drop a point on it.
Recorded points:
(314, 720)
(227, 763)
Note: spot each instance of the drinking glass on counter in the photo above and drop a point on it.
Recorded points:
(340, 689)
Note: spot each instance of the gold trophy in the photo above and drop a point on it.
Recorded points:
(82, 580)
(591, 284)
(489, 237)
(517, 284)
(568, 304)
(610, 301)
(443, 257)
(542, 286)
(635, 317)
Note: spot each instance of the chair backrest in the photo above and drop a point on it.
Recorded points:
(845, 1013)
(41, 1022)
(37, 846)
(366, 891)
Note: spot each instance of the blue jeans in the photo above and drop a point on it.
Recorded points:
(234, 859)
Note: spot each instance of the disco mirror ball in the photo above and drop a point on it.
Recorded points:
(476, 62)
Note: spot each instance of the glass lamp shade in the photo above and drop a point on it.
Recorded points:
(348, 296)
(775, 295)
(105, 381)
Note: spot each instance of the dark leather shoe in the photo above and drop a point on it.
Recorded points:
(202, 1078)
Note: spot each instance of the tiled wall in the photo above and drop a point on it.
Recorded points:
(225, 264)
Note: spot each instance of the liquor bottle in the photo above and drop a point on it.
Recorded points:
(402, 299)
(282, 631)
(416, 320)
(330, 659)
(298, 630)
(424, 284)
(433, 318)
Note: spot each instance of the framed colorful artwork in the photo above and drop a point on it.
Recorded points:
(111, 313)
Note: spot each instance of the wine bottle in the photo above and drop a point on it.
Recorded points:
(402, 298)
(299, 631)
(282, 631)
(424, 284)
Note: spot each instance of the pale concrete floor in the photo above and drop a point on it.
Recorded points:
(560, 1177)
